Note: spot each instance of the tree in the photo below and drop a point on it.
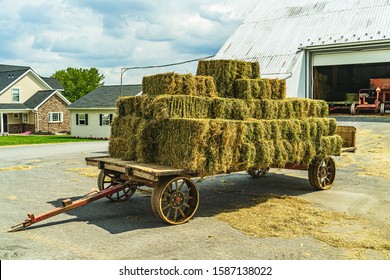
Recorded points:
(78, 82)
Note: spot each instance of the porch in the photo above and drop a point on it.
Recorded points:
(17, 122)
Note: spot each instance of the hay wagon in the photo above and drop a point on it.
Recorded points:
(225, 119)
(175, 196)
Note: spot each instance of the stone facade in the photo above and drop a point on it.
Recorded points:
(54, 104)
(19, 128)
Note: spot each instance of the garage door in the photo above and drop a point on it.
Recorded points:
(353, 57)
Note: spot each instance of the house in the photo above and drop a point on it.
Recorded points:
(324, 49)
(29, 102)
(92, 114)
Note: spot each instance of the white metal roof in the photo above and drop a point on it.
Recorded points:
(276, 34)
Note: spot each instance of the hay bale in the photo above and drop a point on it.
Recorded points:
(159, 84)
(205, 86)
(125, 136)
(225, 72)
(214, 146)
(185, 106)
(172, 84)
(330, 145)
(260, 89)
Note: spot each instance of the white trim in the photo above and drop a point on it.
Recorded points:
(1, 124)
(12, 95)
(14, 110)
(24, 75)
(84, 119)
(94, 108)
(47, 98)
(103, 124)
(349, 46)
(60, 117)
(28, 118)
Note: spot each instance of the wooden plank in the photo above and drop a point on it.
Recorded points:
(144, 170)
(348, 134)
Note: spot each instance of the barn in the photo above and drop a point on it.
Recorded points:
(324, 49)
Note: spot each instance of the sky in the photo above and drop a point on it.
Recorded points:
(51, 35)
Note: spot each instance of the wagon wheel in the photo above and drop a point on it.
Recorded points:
(353, 109)
(258, 172)
(175, 200)
(322, 171)
(109, 180)
(382, 109)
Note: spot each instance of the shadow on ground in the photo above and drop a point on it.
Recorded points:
(217, 194)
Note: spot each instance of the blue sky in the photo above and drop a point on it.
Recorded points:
(56, 34)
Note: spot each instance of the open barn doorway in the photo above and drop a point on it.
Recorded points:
(340, 82)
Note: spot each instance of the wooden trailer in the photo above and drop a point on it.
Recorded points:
(175, 196)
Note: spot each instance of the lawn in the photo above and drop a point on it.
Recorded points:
(12, 140)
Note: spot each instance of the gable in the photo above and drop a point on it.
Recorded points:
(28, 84)
(42, 96)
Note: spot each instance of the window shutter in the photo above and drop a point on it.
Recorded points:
(110, 119)
(100, 119)
(77, 119)
(86, 119)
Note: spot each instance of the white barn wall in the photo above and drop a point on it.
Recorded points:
(296, 83)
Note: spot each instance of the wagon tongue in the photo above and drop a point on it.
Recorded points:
(68, 204)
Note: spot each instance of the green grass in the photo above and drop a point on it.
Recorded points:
(13, 140)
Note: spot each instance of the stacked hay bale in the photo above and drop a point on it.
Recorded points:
(224, 119)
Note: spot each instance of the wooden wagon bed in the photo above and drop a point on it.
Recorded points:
(146, 171)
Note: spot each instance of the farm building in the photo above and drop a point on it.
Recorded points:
(92, 114)
(324, 49)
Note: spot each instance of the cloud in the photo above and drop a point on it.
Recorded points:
(56, 34)
(36, 14)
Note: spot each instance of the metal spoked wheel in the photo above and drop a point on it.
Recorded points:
(258, 172)
(176, 200)
(106, 180)
(322, 172)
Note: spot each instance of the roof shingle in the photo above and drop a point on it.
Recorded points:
(38, 98)
(105, 96)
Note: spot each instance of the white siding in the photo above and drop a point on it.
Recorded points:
(344, 58)
(93, 129)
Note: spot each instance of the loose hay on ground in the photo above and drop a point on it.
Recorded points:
(85, 171)
(18, 167)
(290, 217)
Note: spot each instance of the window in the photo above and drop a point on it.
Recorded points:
(15, 95)
(81, 119)
(55, 117)
(105, 119)
(25, 118)
(15, 116)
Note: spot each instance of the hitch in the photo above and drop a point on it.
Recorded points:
(68, 204)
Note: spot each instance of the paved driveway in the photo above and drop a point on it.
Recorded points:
(35, 179)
